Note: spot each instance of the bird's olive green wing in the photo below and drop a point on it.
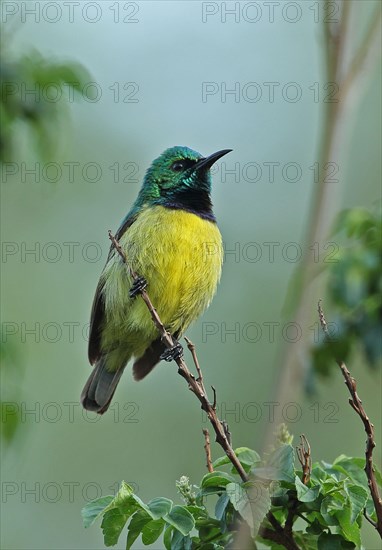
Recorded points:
(98, 308)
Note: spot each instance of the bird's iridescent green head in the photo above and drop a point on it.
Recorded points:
(180, 178)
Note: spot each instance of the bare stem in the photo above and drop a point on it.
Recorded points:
(356, 404)
(305, 458)
(207, 448)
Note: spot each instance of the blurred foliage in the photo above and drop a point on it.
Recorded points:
(331, 504)
(354, 293)
(12, 368)
(34, 93)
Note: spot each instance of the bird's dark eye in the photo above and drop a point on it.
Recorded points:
(178, 166)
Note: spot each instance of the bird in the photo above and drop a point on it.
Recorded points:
(170, 238)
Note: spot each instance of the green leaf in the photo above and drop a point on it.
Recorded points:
(167, 537)
(123, 499)
(240, 501)
(221, 505)
(216, 480)
(331, 485)
(138, 502)
(358, 498)
(315, 528)
(112, 524)
(370, 509)
(209, 529)
(318, 473)
(94, 510)
(304, 493)
(304, 541)
(252, 506)
(197, 512)
(328, 509)
(329, 542)
(180, 542)
(280, 465)
(180, 518)
(351, 467)
(152, 530)
(115, 511)
(159, 507)
(246, 456)
(350, 530)
(131, 538)
(136, 525)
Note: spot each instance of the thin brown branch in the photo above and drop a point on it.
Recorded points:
(192, 349)
(222, 432)
(356, 404)
(305, 458)
(214, 403)
(277, 537)
(275, 524)
(207, 448)
(227, 432)
(279, 534)
(194, 385)
(290, 517)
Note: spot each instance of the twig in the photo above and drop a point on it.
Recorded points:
(194, 385)
(290, 517)
(280, 535)
(356, 404)
(300, 515)
(207, 448)
(277, 537)
(305, 458)
(214, 403)
(197, 387)
(227, 432)
(192, 349)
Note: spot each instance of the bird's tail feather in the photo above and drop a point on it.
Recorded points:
(145, 364)
(100, 387)
(148, 360)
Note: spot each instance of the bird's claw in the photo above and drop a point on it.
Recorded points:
(172, 354)
(138, 287)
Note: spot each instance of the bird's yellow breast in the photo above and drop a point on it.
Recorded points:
(180, 255)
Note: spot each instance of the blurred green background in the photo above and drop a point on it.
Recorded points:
(149, 96)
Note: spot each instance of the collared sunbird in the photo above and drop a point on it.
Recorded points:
(171, 240)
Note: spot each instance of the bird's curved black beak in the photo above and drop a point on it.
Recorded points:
(207, 162)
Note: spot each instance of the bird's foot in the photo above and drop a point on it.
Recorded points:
(139, 285)
(172, 354)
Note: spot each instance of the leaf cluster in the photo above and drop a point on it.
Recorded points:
(34, 95)
(326, 513)
(354, 288)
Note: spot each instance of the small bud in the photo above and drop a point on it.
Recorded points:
(186, 490)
